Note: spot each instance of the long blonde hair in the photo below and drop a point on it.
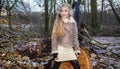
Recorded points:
(58, 28)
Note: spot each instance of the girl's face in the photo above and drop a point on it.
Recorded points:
(64, 12)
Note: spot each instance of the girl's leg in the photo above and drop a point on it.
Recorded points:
(75, 64)
(56, 65)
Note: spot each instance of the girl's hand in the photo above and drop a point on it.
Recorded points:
(54, 55)
(77, 54)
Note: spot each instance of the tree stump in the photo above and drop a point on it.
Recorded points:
(84, 61)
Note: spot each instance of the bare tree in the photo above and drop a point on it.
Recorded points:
(116, 15)
(85, 11)
(94, 17)
(50, 12)
(25, 9)
(1, 5)
(46, 16)
(101, 14)
(9, 7)
(49, 5)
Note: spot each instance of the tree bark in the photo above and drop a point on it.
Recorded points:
(69, 2)
(1, 5)
(46, 16)
(9, 8)
(101, 14)
(50, 15)
(116, 15)
(85, 12)
(94, 17)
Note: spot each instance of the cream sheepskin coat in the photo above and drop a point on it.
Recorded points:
(69, 44)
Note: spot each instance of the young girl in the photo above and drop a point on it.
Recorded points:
(65, 45)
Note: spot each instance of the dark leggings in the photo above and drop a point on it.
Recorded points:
(73, 62)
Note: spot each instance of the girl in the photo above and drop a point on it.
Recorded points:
(65, 45)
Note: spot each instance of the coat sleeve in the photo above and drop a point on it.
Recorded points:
(54, 46)
(75, 39)
(54, 41)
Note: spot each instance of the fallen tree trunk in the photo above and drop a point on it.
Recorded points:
(84, 61)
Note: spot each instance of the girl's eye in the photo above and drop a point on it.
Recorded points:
(65, 10)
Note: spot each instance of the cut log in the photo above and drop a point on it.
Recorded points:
(84, 61)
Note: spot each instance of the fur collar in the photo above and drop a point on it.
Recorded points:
(71, 20)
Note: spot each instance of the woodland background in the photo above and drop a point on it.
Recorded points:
(25, 34)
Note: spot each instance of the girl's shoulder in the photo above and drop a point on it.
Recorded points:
(72, 19)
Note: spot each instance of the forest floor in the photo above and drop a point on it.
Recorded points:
(18, 52)
(108, 58)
